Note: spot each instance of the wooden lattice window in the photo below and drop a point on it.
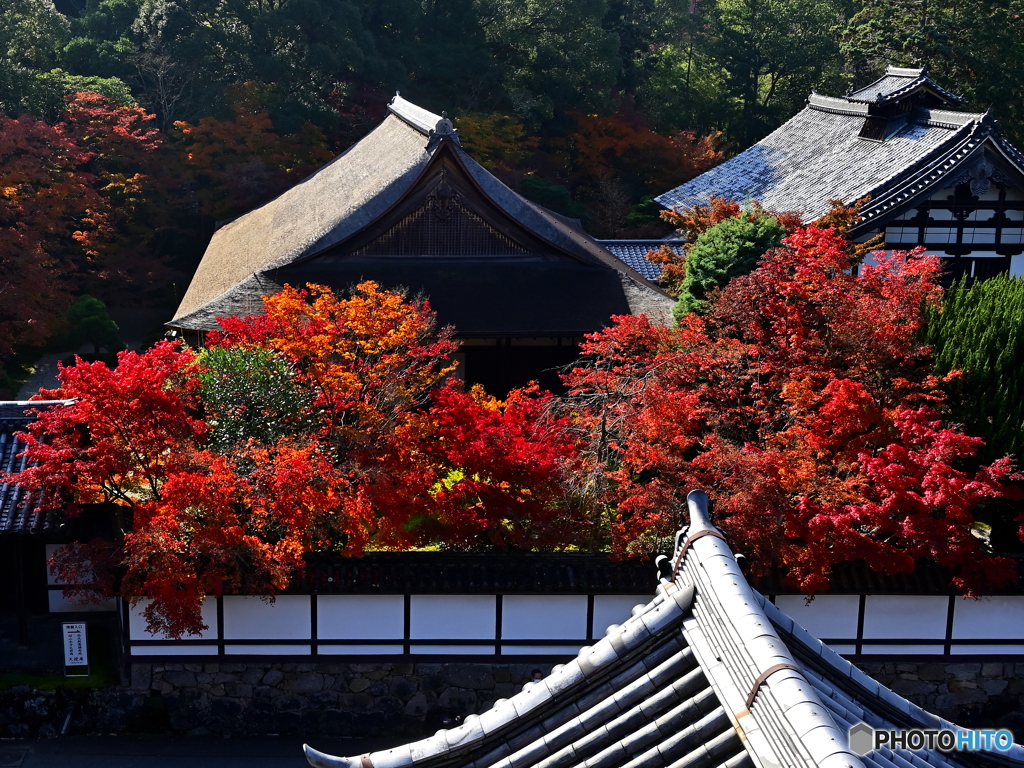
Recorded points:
(442, 226)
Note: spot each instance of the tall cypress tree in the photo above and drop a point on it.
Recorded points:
(980, 331)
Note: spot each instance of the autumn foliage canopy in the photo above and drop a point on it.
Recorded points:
(802, 400)
(323, 425)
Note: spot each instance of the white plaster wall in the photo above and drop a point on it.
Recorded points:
(60, 604)
(975, 650)
(826, 616)
(447, 617)
(903, 650)
(250, 618)
(614, 609)
(453, 650)
(544, 617)
(905, 616)
(267, 650)
(137, 623)
(1017, 265)
(989, 618)
(360, 617)
(50, 550)
(536, 650)
(341, 650)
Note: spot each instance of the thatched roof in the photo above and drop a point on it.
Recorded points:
(246, 257)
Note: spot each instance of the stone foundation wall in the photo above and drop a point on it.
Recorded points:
(974, 695)
(407, 700)
(327, 699)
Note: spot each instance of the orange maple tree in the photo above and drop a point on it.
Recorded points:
(622, 145)
(323, 425)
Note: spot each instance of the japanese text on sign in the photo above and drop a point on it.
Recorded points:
(76, 650)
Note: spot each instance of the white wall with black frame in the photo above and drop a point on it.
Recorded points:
(426, 627)
(505, 626)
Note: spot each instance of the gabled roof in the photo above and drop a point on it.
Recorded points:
(18, 508)
(818, 156)
(709, 674)
(352, 192)
(899, 83)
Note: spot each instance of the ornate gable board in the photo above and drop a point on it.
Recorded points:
(985, 165)
(446, 215)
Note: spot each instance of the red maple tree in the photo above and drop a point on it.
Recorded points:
(506, 471)
(805, 404)
(70, 194)
(320, 426)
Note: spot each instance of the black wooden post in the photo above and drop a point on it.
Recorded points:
(19, 589)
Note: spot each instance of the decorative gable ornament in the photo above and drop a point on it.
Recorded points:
(442, 130)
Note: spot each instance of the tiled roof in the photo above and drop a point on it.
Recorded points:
(709, 674)
(442, 573)
(18, 513)
(632, 252)
(898, 83)
(818, 156)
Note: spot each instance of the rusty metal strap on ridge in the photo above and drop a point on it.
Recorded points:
(765, 675)
(686, 546)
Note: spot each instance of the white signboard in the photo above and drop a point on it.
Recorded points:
(76, 649)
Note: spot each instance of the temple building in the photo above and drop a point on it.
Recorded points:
(408, 207)
(938, 176)
(708, 674)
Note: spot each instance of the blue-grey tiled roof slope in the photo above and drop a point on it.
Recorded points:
(818, 156)
(633, 253)
(18, 508)
(709, 674)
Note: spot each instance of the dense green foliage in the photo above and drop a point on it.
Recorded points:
(737, 66)
(248, 394)
(980, 331)
(727, 250)
(90, 324)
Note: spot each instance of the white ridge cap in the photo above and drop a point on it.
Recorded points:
(419, 118)
(904, 71)
(730, 602)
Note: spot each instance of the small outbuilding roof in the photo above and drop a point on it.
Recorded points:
(849, 148)
(19, 512)
(634, 253)
(709, 674)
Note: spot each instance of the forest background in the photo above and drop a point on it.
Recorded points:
(130, 128)
(191, 112)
